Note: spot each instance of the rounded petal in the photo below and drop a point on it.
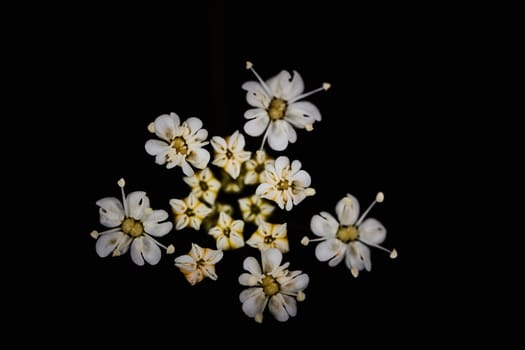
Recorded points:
(372, 232)
(302, 178)
(236, 240)
(254, 113)
(185, 263)
(165, 126)
(219, 144)
(254, 304)
(246, 279)
(178, 206)
(181, 221)
(255, 94)
(324, 225)
(293, 88)
(155, 216)
(199, 158)
(251, 265)
(157, 147)
(347, 210)
(297, 284)
(329, 249)
(278, 135)
(111, 212)
(353, 256)
(136, 251)
(212, 256)
(236, 141)
(277, 82)
(186, 168)
(137, 203)
(222, 243)
(107, 243)
(281, 163)
(302, 113)
(157, 229)
(150, 251)
(194, 124)
(277, 308)
(271, 259)
(233, 168)
(257, 126)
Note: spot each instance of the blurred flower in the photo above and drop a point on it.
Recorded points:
(274, 286)
(284, 184)
(204, 185)
(182, 143)
(199, 263)
(254, 209)
(278, 108)
(348, 236)
(132, 223)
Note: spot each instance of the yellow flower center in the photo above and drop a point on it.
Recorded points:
(268, 239)
(347, 233)
(277, 108)
(132, 227)
(180, 145)
(270, 285)
(283, 185)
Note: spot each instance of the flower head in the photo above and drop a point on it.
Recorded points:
(204, 185)
(199, 263)
(230, 153)
(285, 184)
(273, 285)
(270, 235)
(348, 236)
(278, 108)
(132, 224)
(228, 233)
(189, 211)
(181, 144)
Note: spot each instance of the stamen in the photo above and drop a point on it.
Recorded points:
(121, 184)
(305, 241)
(379, 198)
(151, 127)
(94, 234)
(259, 318)
(264, 138)
(324, 87)
(393, 254)
(309, 191)
(249, 66)
(309, 127)
(300, 296)
(171, 249)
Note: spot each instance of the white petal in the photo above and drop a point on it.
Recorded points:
(165, 126)
(136, 251)
(219, 144)
(249, 293)
(296, 284)
(282, 245)
(254, 304)
(194, 124)
(192, 181)
(107, 243)
(150, 251)
(155, 216)
(222, 243)
(199, 158)
(347, 210)
(251, 265)
(302, 178)
(111, 212)
(337, 258)
(212, 256)
(156, 147)
(324, 225)
(256, 241)
(255, 95)
(328, 249)
(158, 229)
(185, 263)
(276, 82)
(302, 113)
(137, 203)
(236, 240)
(178, 205)
(233, 168)
(293, 88)
(186, 168)
(247, 279)
(353, 256)
(372, 232)
(271, 259)
(236, 142)
(254, 112)
(281, 163)
(277, 309)
(197, 252)
(181, 221)
(257, 126)
(278, 136)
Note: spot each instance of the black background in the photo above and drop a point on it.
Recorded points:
(121, 69)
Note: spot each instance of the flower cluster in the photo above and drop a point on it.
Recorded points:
(220, 165)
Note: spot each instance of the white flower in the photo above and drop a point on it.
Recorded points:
(270, 235)
(230, 153)
(199, 263)
(349, 236)
(284, 184)
(182, 143)
(274, 286)
(278, 108)
(255, 168)
(204, 185)
(189, 211)
(228, 233)
(132, 223)
(255, 209)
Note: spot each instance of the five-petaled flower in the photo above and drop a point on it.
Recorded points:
(230, 153)
(254, 209)
(273, 285)
(189, 211)
(278, 108)
(349, 236)
(228, 233)
(133, 223)
(204, 185)
(199, 263)
(181, 144)
(285, 184)
(270, 235)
